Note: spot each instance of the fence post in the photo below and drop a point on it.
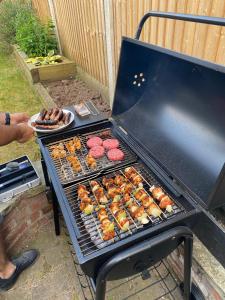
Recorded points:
(109, 36)
(53, 16)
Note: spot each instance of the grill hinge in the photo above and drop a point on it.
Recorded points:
(123, 130)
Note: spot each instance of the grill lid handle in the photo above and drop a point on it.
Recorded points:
(182, 17)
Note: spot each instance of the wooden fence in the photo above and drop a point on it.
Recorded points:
(90, 31)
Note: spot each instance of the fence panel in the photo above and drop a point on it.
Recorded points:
(42, 9)
(81, 30)
(81, 26)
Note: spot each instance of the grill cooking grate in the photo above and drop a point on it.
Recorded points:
(64, 168)
(89, 226)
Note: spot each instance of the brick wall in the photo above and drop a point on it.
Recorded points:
(24, 220)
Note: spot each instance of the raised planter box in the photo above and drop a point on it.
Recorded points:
(64, 70)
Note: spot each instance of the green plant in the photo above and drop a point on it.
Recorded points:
(33, 37)
(50, 59)
(8, 13)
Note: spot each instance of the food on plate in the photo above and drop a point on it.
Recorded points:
(97, 152)
(107, 227)
(115, 154)
(74, 162)
(91, 161)
(86, 204)
(98, 192)
(51, 119)
(109, 144)
(133, 176)
(164, 200)
(94, 141)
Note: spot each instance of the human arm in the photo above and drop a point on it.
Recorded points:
(20, 133)
(15, 118)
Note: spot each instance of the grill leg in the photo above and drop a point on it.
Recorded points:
(44, 168)
(188, 248)
(55, 212)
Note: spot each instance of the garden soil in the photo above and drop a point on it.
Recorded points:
(73, 91)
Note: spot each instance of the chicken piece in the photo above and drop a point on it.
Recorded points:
(100, 196)
(154, 210)
(119, 180)
(133, 208)
(82, 191)
(166, 203)
(147, 201)
(77, 143)
(127, 200)
(113, 191)
(115, 207)
(140, 193)
(57, 153)
(126, 188)
(128, 171)
(157, 192)
(107, 182)
(60, 146)
(108, 235)
(141, 215)
(91, 161)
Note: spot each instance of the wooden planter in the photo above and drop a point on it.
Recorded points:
(64, 70)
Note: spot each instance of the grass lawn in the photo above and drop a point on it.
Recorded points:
(16, 95)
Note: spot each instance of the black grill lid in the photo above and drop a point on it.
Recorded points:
(174, 106)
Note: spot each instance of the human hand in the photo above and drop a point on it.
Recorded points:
(25, 133)
(18, 118)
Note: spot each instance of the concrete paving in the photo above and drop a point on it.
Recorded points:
(54, 277)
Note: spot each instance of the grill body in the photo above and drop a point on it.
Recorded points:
(91, 258)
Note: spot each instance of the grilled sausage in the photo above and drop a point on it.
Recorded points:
(46, 122)
(47, 126)
(47, 117)
(67, 118)
(60, 115)
(63, 118)
(54, 113)
(42, 114)
(50, 113)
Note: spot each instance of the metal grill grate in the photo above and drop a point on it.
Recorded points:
(64, 169)
(89, 226)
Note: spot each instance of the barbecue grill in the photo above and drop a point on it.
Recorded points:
(168, 117)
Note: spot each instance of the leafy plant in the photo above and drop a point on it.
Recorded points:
(51, 59)
(8, 13)
(19, 24)
(33, 37)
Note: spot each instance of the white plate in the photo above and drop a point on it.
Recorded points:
(34, 118)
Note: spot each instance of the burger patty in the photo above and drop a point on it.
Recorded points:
(94, 141)
(110, 144)
(115, 154)
(97, 151)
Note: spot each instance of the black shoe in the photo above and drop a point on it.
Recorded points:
(25, 260)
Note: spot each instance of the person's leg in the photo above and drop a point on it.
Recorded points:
(7, 268)
(11, 269)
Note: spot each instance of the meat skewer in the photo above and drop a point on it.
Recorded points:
(164, 200)
(86, 204)
(107, 227)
